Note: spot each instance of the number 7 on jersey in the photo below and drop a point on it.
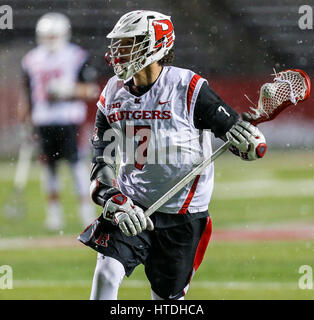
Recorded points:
(141, 135)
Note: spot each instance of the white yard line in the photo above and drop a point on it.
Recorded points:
(233, 285)
(270, 232)
(264, 188)
(39, 242)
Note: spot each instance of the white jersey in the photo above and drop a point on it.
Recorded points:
(43, 67)
(167, 146)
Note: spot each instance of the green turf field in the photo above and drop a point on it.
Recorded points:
(275, 193)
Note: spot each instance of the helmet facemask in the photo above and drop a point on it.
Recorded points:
(127, 60)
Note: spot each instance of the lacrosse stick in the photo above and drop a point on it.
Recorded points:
(15, 206)
(288, 88)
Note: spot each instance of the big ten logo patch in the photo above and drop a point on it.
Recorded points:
(6, 17)
(116, 105)
(6, 277)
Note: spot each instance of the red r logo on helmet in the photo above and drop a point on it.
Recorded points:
(163, 28)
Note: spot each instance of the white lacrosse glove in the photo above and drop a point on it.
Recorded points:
(130, 218)
(247, 141)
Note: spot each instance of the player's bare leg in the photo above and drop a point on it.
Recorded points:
(108, 276)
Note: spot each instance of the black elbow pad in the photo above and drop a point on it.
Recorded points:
(103, 181)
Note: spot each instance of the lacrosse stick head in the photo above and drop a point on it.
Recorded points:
(289, 87)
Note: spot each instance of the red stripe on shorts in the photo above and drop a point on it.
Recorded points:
(202, 245)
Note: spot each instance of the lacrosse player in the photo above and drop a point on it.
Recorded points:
(58, 78)
(162, 108)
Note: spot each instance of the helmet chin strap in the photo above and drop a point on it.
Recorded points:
(108, 59)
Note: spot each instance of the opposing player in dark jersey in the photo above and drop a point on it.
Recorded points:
(160, 118)
(58, 79)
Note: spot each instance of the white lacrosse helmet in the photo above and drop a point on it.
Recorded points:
(53, 30)
(152, 35)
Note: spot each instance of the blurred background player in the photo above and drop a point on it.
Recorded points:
(58, 78)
